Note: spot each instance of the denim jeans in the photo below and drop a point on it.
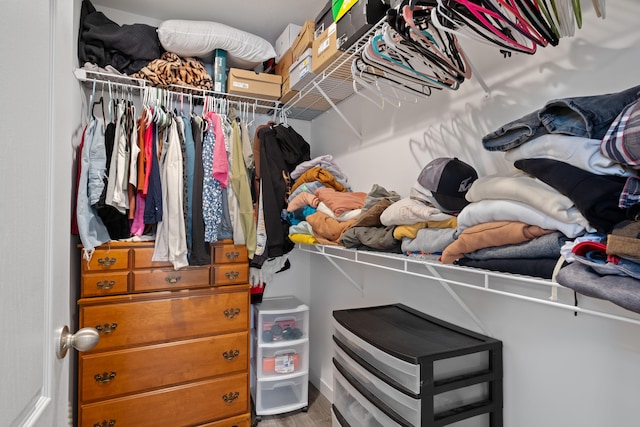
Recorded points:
(583, 116)
(91, 229)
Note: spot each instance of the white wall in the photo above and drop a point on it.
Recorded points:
(560, 369)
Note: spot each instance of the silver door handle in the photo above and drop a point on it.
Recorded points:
(83, 340)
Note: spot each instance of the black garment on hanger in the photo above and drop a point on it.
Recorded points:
(281, 150)
(200, 252)
(117, 224)
(127, 48)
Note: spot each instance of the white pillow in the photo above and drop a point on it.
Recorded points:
(201, 38)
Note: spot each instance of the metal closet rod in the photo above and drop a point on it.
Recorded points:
(88, 76)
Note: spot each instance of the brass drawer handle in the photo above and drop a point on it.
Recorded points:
(232, 256)
(105, 423)
(230, 313)
(231, 354)
(106, 262)
(105, 377)
(172, 280)
(106, 285)
(229, 398)
(232, 275)
(107, 328)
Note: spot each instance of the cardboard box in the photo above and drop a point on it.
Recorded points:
(325, 49)
(340, 7)
(300, 72)
(282, 67)
(357, 21)
(286, 39)
(252, 84)
(324, 19)
(303, 41)
(287, 92)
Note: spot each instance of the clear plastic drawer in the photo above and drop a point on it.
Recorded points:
(404, 405)
(356, 410)
(283, 359)
(275, 396)
(404, 373)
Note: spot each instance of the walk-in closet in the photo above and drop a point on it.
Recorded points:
(448, 80)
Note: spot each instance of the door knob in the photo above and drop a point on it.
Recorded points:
(83, 340)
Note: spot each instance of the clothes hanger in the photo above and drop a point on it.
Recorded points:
(389, 70)
(509, 11)
(454, 22)
(535, 15)
(453, 58)
(599, 6)
(386, 72)
(420, 43)
(479, 17)
(376, 83)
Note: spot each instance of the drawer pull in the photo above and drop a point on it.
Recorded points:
(232, 256)
(105, 423)
(106, 262)
(232, 275)
(172, 280)
(105, 377)
(230, 313)
(106, 285)
(231, 354)
(107, 328)
(229, 398)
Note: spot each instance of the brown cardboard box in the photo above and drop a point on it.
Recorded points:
(303, 41)
(325, 49)
(282, 67)
(252, 84)
(287, 93)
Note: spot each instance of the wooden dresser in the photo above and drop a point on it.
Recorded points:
(174, 344)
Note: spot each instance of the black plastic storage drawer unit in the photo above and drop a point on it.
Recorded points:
(396, 366)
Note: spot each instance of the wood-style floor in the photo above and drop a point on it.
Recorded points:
(318, 414)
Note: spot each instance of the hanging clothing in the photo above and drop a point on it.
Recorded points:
(212, 189)
(190, 160)
(153, 205)
(242, 191)
(170, 242)
(91, 229)
(200, 250)
(116, 222)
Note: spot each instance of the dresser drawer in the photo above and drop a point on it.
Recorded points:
(229, 274)
(116, 373)
(241, 421)
(142, 259)
(132, 323)
(104, 283)
(107, 260)
(229, 253)
(167, 278)
(190, 404)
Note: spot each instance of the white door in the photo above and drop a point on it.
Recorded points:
(36, 90)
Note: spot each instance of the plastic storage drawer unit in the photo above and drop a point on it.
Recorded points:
(412, 368)
(280, 354)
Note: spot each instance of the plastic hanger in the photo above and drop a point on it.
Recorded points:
(453, 59)
(448, 20)
(480, 17)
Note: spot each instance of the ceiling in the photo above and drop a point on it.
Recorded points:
(264, 18)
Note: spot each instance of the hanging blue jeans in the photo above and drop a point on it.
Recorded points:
(91, 229)
(583, 116)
